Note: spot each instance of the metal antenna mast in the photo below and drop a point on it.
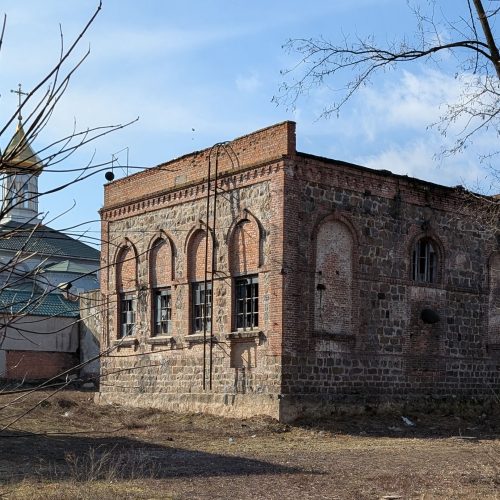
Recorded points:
(225, 148)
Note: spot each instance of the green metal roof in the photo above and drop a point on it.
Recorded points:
(26, 302)
(44, 241)
(67, 266)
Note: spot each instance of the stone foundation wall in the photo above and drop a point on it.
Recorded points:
(173, 380)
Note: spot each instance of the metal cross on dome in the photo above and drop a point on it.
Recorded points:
(20, 93)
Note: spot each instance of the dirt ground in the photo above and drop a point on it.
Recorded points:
(67, 447)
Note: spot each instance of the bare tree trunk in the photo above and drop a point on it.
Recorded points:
(495, 54)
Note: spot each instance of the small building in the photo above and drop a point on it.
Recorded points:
(40, 334)
(42, 271)
(251, 278)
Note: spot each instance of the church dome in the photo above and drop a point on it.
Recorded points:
(19, 155)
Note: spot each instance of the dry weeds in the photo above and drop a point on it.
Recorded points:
(70, 448)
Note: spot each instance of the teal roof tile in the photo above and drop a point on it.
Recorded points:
(31, 303)
(44, 241)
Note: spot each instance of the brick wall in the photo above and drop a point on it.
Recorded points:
(494, 299)
(260, 147)
(167, 370)
(244, 250)
(198, 248)
(340, 311)
(161, 263)
(32, 365)
(393, 354)
(333, 295)
(126, 269)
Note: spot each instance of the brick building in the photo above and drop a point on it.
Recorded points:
(315, 283)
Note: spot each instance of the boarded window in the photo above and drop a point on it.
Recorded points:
(333, 279)
(160, 263)
(126, 270)
(244, 248)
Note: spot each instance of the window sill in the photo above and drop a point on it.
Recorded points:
(335, 337)
(160, 340)
(244, 334)
(126, 342)
(197, 338)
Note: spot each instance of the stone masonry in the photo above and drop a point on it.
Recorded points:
(367, 286)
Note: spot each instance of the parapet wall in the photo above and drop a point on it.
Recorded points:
(262, 146)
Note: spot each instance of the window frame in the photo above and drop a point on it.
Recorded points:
(128, 310)
(198, 316)
(424, 261)
(246, 302)
(162, 326)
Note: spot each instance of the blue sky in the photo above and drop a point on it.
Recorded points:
(214, 66)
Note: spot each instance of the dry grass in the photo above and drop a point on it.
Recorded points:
(70, 448)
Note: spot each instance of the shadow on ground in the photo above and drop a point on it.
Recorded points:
(41, 457)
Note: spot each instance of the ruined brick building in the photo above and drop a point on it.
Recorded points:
(315, 282)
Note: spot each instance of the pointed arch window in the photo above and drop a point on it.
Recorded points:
(424, 261)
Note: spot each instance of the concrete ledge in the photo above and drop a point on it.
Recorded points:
(244, 335)
(160, 340)
(197, 338)
(126, 342)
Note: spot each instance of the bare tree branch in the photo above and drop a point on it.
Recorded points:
(350, 65)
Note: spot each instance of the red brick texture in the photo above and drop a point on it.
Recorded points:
(33, 365)
(161, 263)
(126, 269)
(197, 249)
(260, 147)
(333, 296)
(244, 250)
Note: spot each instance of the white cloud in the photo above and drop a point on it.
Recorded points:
(417, 159)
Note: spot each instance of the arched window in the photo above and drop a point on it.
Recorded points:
(244, 257)
(126, 284)
(201, 295)
(160, 275)
(424, 261)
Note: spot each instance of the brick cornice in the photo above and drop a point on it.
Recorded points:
(192, 191)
